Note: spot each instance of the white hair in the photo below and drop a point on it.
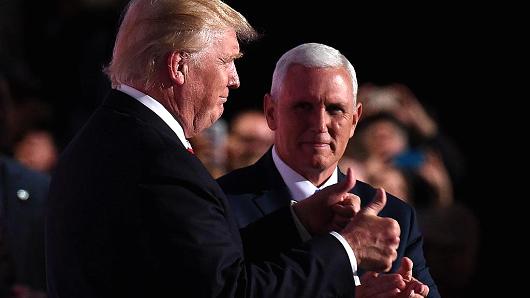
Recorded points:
(313, 55)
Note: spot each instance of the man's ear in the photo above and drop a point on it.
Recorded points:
(269, 108)
(177, 67)
(356, 118)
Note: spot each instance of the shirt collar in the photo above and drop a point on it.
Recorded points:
(158, 109)
(299, 187)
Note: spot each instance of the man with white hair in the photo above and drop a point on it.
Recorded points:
(313, 112)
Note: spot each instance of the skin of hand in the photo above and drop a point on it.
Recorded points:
(373, 239)
(375, 285)
(344, 211)
(414, 288)
(399, 284)
(330, 209)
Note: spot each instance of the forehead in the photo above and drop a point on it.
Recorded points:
(227, 44)
(330, 83)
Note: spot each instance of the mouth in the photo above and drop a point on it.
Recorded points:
(317, 145)
(223, 99)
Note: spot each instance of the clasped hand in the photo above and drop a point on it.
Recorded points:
(373, 239)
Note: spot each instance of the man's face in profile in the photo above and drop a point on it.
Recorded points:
(207, 84)
(313, 118)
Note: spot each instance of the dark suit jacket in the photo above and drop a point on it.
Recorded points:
(22, 221)
(133, 214)
(259, 189)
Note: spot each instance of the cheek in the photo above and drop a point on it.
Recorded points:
(341, 134)
(294, 131)
(212, 80)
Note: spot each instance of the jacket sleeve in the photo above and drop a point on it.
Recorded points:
(270, 235)
(203, 250)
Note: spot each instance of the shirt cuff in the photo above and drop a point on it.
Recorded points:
(304, 234)
(351, 256)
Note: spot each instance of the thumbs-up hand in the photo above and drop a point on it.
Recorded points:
(373, 239)
(344, 211)
(329, 209)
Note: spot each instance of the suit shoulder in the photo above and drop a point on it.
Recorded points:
(243, 180)
(366, 192)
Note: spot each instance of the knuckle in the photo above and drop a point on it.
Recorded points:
(394, 255)
(395, 225)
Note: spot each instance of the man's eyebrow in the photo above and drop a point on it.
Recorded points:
(228, 58)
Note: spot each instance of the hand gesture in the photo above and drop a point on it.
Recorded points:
(414, 287)
(373, 239)
(400, 284)
(329, 209)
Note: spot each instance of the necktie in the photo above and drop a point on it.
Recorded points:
(189, 148)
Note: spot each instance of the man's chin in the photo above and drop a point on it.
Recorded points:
(322, 149)
(320, 163)
(214, 116)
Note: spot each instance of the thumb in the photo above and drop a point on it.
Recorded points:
(347, 184)
(405, 269)
(377, 204)
(334, 193)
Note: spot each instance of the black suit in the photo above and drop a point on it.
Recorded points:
(133, 214)
(23, 194)
(259, 189)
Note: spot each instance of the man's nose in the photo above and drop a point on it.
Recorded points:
(320, 120)
(233, 79)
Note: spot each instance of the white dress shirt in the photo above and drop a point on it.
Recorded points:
(300, 189)
(158, 109)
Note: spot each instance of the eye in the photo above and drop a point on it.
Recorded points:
(334, 109)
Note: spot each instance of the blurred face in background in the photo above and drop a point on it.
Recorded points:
(313, 118)
(250, 137)
(384, 140)
(37, 151)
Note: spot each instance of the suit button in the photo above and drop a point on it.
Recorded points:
(22, 194)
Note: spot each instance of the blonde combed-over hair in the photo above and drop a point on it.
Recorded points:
(151, 29)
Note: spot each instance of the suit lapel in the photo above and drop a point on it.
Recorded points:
(275, 193)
